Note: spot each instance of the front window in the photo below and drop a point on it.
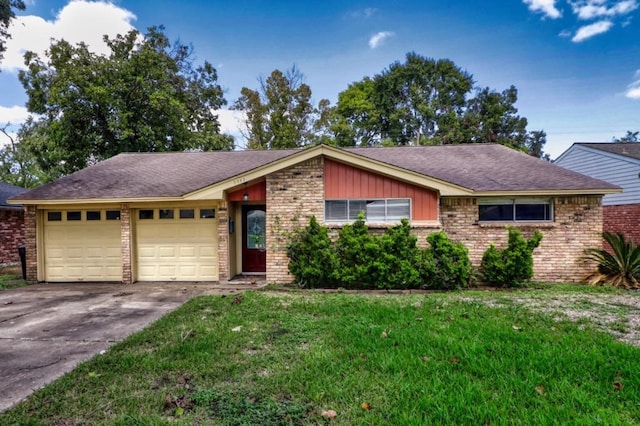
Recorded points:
(515, 210)
(378, 210)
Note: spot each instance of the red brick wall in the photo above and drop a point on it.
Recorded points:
(623, 219)
(11, 235)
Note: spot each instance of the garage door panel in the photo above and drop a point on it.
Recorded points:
(82, 250)
(176, 249)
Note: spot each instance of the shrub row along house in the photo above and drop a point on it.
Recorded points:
(209, 216)
(618, 163)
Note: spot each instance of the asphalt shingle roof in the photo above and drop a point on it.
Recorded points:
(479, 167)
(631, 149)
(8, 191)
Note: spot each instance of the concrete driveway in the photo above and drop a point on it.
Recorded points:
(47, 329)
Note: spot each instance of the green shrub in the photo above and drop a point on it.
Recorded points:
(513, 265)
(621, 268)
(312, 258)
(445, 265)
(396, 265)
(357, 251)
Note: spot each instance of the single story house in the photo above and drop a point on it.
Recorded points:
(11, 224)
(209, 216)
(618, 163)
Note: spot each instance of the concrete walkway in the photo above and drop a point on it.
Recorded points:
(47, 329)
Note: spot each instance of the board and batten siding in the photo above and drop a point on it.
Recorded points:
(347, 182)
(612, 168)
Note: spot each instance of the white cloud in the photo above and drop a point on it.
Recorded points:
(546, 7)
(378, 39)
(363, 14)
(5, 140)
(231, 121)
(591, 30)
(633, 90)
(79, 21)
(595, 9)
(14, 115)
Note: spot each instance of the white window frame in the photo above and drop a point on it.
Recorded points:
(352, 215)
(514, 202)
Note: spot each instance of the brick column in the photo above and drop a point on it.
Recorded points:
(30, 241)
(125, 243)
(223, 241)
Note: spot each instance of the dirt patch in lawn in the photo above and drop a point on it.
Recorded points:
(616, 314)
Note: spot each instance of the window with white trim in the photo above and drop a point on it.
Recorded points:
(375, 210)
(515, 210)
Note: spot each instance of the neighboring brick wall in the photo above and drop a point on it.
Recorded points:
(125, 243)
(30, 241)
(577, 225)
(293, 196)
(11, 235)
(624, 218)
(222, 215)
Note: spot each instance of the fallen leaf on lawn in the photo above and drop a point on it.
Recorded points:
(179, 412)
(363, 357)
(330, 414)
(515, 327)
(454, 360)
(425, 358)
(553, 328)
(617, 386)
(238, 328)
(540, 390)
(366, 406)
(237, 300)
(93, 374)
(419, 319)
(384, 335)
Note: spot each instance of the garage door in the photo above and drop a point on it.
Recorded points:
(82, 245)
(176, 244)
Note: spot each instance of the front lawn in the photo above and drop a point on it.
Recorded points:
(307, 358)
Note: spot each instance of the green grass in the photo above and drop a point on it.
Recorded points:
(11, 277)
(284, 358)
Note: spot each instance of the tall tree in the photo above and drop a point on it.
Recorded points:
(7, 14)
(18, 164)
(629, 137)
(146, 95)
(426, 101)
(280, 113)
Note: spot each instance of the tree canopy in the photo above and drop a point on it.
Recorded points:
(280, 113)
(7, 14)
(425, 101)
(145, 95)
(628, 137)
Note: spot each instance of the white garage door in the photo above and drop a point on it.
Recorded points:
(82, 245)
(176, 244)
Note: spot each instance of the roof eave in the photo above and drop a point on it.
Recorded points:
(96, 200)
(548, 192)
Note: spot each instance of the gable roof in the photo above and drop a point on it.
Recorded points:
(630, 149)
(485, 168)
(478, 169)
(9, 191)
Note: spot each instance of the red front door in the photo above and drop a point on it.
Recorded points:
(254, 239)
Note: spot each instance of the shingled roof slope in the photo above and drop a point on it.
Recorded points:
(478, 167)
(143, 175)
(484, 167)
(8, 191)
(631, 149)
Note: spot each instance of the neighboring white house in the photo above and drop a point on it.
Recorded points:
(616, 163)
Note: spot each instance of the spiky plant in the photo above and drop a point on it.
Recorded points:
(619, 267)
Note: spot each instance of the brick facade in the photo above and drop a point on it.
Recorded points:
(222, 215)
(577, 226)
(11, 235)
(293, 196)
(624, 218)
(125, 243)
(30, 241)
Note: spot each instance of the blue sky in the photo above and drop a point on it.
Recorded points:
(576, 63)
